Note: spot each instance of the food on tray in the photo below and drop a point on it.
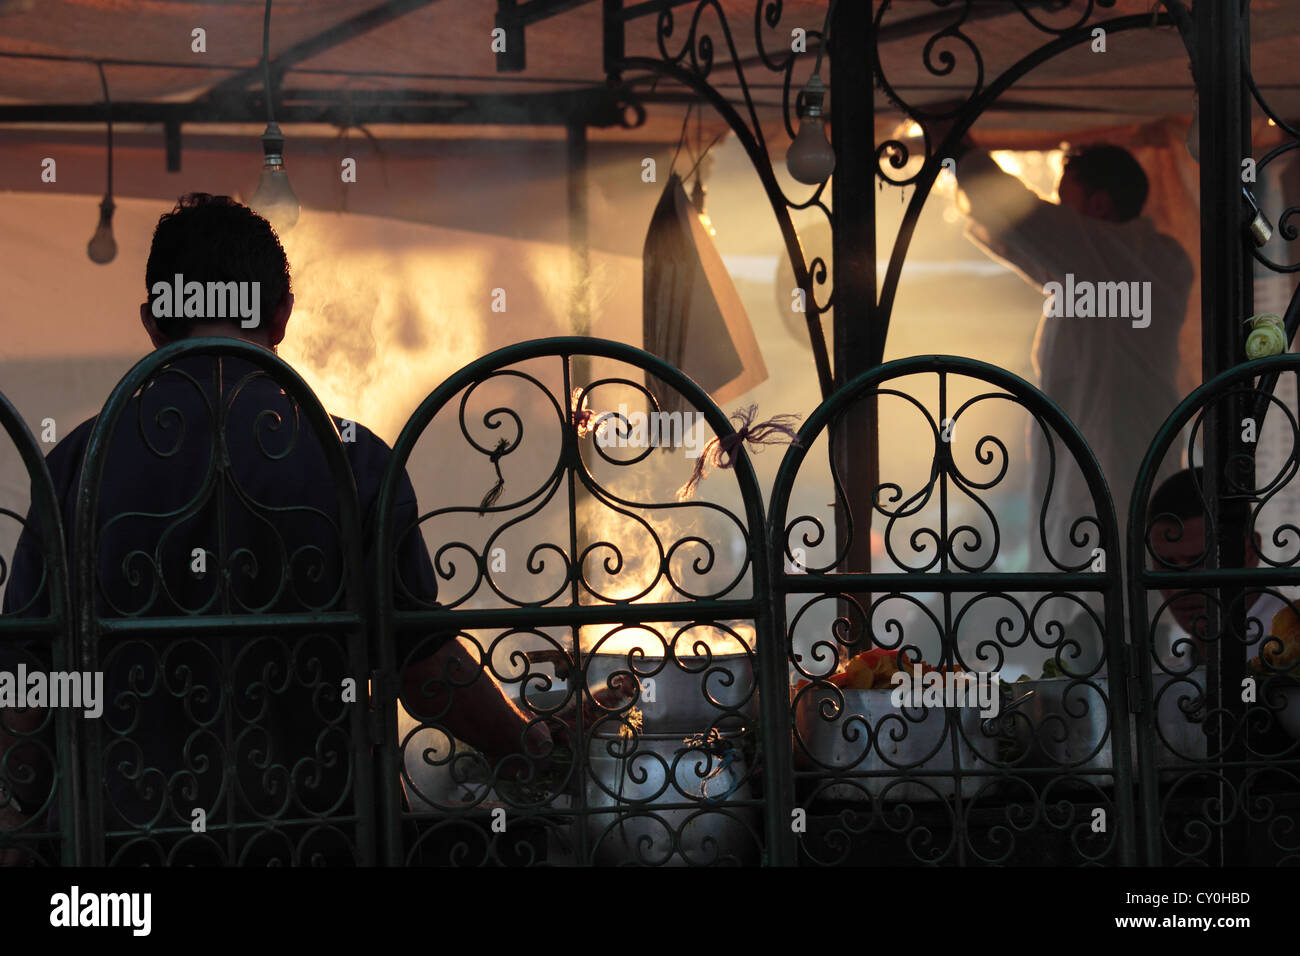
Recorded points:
(1051, 669)
(874, 670)
(1273, 658)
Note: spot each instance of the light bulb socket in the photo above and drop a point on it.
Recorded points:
(273, 145)
(812, 98)
(106, 207)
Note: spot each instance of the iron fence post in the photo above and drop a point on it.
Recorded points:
(1225, 301)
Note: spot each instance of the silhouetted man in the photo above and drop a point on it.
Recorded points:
(1116, 290)
(217, 498)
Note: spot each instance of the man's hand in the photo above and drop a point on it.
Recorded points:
(602, 703)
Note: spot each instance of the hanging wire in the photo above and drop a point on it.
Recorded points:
(712, 143)
(821, 44)
(266, 63)
(108, 109)
(681, 140)
(699, 141)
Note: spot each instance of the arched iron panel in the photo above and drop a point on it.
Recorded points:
(580, 558)
(981, 99)
(876, 779)
(225, 606)
(1220, 713)
(36, 632)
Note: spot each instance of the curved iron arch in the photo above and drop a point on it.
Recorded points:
(823, 584)
(344, 616)
(781, 206)
(1249, 387)
(56, 626)
(570, 470)
(974, 108)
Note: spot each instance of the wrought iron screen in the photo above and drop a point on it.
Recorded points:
(280, 686)
(897, 781)
(1218, 647)
(38, 761)
(218, 555)
(583, 586)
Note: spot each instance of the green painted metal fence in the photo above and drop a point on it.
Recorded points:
(512, 641)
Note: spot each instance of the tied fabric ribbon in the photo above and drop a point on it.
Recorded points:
(584, 419)
(721, 452)
(491, 497)
(1267, 336)
(726, 754)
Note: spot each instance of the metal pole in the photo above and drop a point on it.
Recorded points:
(579, 242)
(1226, 298)
(580, 502)
(858, 333)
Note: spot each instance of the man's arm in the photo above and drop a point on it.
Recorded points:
(452, 685)
(1040, 238)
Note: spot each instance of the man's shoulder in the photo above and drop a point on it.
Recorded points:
(1166, 246)
(352, 432)
(67, 453)
(369, 456)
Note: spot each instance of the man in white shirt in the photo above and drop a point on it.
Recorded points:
(1106, 349)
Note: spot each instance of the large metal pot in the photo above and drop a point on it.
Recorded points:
(637, 779)
(1286, 701)
(909, 749)
(684, 694)
(1064, 723)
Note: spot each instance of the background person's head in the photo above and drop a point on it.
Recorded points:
(209, 238)
(1176, 515)
(1104, 182)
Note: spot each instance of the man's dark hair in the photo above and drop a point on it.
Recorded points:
(1113, 169)
(216, 239)
(1179, 496)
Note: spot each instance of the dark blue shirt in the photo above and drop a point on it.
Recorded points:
(216, 498)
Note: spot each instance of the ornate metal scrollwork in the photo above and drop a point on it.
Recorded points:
(639, 655)
(219, 550)
(1217, 649)
(916, 780)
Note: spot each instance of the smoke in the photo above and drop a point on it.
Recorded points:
(382, 313)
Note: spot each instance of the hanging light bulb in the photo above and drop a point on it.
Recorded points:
(102, 247)
(810, 158)
(697, 200)
(1194, 131)
(274, 199)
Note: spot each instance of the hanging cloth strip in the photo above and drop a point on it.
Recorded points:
(721, 452)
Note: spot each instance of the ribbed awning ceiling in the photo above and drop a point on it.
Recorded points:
(440, 50)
